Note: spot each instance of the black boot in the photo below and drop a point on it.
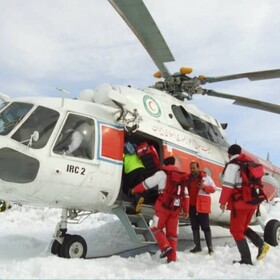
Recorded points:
(196, 239)
(208, 239)
(258, 242)
(244, 251)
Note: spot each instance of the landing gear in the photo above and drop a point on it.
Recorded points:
(272, 232)
(66, 245)
(73, 246)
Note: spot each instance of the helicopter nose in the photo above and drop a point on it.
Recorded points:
(17, 167)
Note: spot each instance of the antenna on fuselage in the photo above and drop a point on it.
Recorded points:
(64, 92)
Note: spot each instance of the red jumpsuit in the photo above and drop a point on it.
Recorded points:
(164, 218)
(243, 212)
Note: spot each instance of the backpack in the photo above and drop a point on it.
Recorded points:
(174, 190)
(252, 189)
(150, 159)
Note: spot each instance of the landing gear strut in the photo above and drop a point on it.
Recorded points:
(66, 245)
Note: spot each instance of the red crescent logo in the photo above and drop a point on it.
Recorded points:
(151, 105)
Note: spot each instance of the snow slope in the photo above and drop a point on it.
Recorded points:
(27, 232)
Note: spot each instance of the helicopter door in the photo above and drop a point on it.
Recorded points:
(72, 170)
(87, 155)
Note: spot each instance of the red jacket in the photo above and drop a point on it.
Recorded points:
(200, 198)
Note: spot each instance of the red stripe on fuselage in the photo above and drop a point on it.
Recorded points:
(112, 142)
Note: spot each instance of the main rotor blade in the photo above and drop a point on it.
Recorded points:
(252, 76)
(247, 102)
(140, 21)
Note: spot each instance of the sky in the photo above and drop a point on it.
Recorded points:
(27, 232)
(77, 45)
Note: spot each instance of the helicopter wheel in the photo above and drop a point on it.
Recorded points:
(272, 232)
(55, 247)
(73, 246)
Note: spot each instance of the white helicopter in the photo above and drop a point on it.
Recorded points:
(40, 165)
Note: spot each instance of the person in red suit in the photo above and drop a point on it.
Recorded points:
(241, 212)
(173, 197)
(200, 186)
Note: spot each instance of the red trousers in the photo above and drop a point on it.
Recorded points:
(169, 220)
(240, 222)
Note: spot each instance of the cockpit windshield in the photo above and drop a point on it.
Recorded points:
(41, 122)
(12, 115)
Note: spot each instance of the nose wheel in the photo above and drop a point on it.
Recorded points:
(66, 245)
(73, 246)
(55, 247)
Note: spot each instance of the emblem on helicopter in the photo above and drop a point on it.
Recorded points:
(151, 106)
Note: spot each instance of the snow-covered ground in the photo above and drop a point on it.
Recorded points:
(26, 234)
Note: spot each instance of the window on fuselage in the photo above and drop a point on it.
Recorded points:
(12, 115)
(219, 136)
(77, 137)
(183, 117)
(197, 125)
(42, 120)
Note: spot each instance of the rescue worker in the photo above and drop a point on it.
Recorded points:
(76, 140)
(79, 137)
(133, 175)
(167, 214)
(241, 212)
(200, 186)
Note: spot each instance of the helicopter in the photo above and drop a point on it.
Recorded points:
(41, 167)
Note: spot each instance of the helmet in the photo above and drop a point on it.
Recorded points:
(85, 129)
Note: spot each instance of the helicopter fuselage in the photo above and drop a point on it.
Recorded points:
(43, 172)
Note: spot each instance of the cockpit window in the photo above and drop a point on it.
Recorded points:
(41, 122)
(77, 137)
(12, 115)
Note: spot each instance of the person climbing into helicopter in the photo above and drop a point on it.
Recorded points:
(133, 174)
(241, 211)
(172, 199)
(200, 186)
